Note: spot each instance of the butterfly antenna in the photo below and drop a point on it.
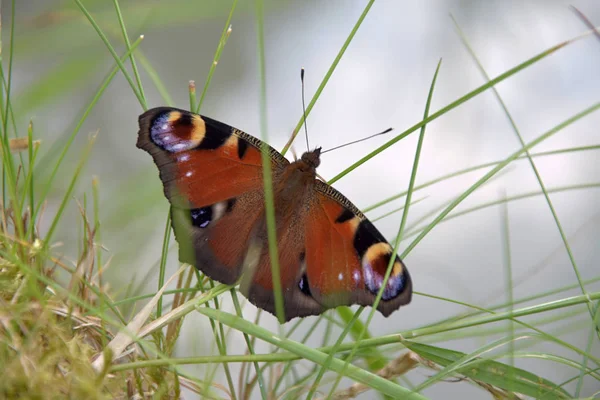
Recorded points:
(358, 141)
(304, 109)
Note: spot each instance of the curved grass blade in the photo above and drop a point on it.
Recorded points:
(128, 44)
(327, 365)
(400, 229)
(475, 168)
(316, 356)
(112, 51)
(561, 231)
(492, 172)
(488, 371)
(69, 141)
(458, 102)
(482, 206)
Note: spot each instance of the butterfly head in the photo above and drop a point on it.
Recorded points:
(312, 158)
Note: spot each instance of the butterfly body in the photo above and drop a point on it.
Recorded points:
(329, 252)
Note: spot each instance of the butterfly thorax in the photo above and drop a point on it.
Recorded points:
(297, 179)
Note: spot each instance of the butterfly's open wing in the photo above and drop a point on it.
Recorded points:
(212, 175)
(347, 257)
(257, 282)
(330, 255)
(202, 161)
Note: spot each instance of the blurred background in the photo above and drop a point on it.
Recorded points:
(382, 81)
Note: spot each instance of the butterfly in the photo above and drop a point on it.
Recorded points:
(330, 254)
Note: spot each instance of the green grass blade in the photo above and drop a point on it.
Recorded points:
(158, 83)
(221, 342)
(327, 365)
(163, 262)
(495, 307)
(128, 44)
(375, 360)
(86, 113)
(316, 356)
(402, 224)
(475, 168)
(502, 316)
(588, 350)
(533, 166)
(415, 230)
(267, 172)
(488, 371)
(69, 191)
(259, 376)
(456, 103)
(112, 51)
(491, 173)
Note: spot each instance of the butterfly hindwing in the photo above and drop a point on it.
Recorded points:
(216, 238)
(330, 255)
(347, 257)
(257, 282)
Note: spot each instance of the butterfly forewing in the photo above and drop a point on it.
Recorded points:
(201, 161)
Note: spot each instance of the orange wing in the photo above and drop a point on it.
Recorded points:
(347, 257)
(257, 281)
(330, 255)
(202, 161)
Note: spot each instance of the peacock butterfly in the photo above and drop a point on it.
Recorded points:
(330, 253)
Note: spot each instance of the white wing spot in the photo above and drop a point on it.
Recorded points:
(340, 276)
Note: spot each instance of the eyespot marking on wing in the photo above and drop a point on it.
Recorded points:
(203, 217)
(176, 131)
(374, 264)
